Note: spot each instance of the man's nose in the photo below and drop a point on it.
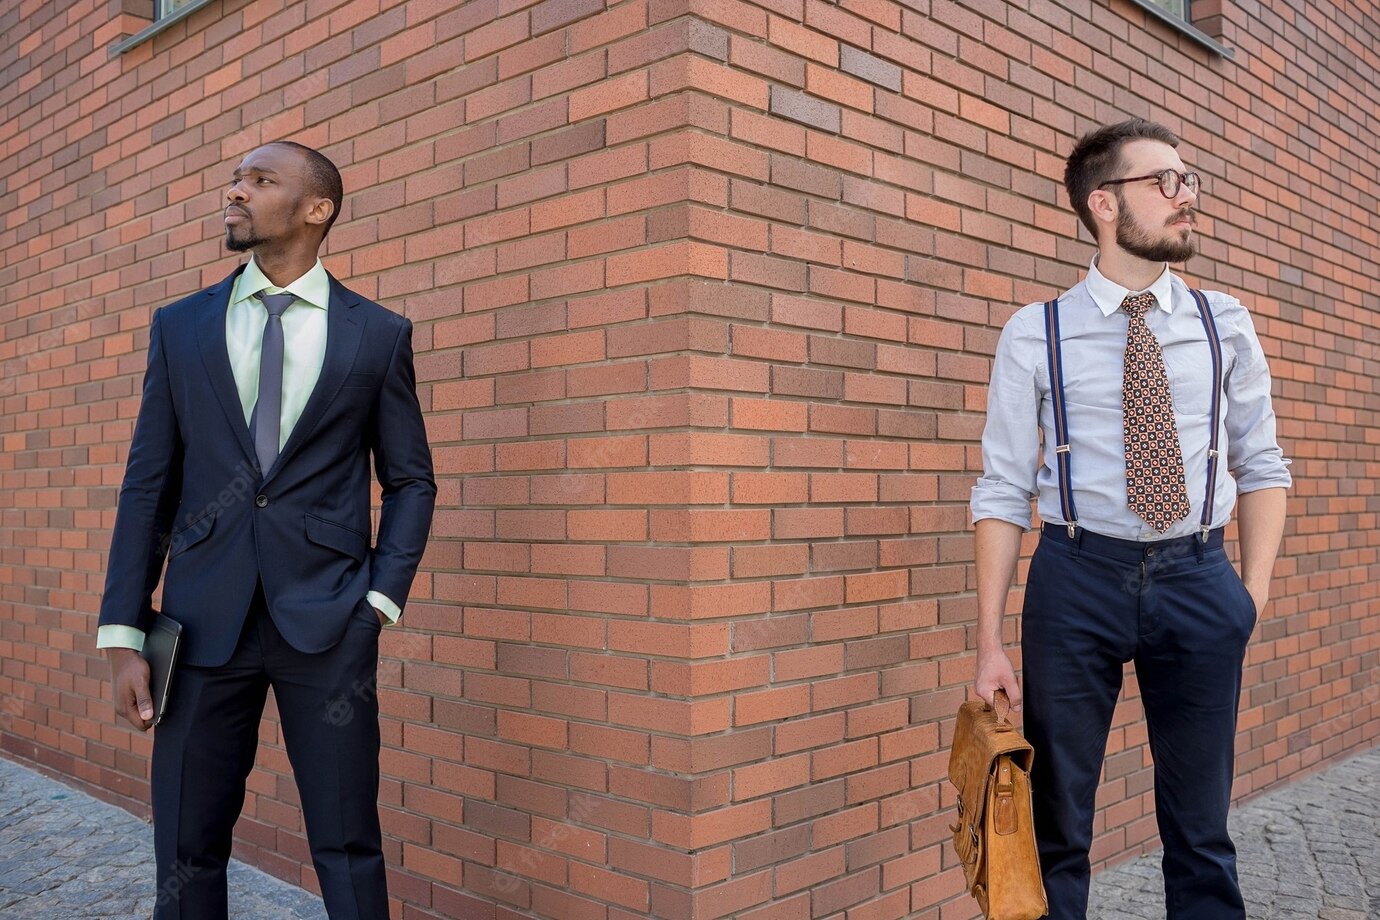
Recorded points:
(235, 193)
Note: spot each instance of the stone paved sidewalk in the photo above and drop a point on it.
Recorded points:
(65, 855)
(1310, 851)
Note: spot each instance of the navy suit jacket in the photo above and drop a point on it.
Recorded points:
(193, 492)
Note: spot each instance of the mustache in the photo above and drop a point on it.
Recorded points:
(236, 209)
(1190, 213)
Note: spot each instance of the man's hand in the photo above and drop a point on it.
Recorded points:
(129, 674)
(383, 619)
(1260, 593)
(994, 672)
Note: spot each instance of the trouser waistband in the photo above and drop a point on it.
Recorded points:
(1130, 550)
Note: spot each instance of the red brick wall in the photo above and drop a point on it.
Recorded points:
(705, 295)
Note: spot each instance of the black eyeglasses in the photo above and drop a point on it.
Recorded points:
(1169, 180)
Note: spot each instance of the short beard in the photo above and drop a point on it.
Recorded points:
(240, 245)
(1132, 238)
(1138, 243)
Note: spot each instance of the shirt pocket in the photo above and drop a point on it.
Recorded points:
(1190, 378)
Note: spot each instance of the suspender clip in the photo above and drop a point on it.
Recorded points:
(1204, 534)
(1073, 529)
(1062, 448)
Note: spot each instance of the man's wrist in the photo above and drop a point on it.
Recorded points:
(990, 637)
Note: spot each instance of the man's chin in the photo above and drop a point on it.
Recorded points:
(241, 244)
(1173, 252)
(1186, 251)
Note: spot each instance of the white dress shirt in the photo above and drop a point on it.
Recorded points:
(1093, 338)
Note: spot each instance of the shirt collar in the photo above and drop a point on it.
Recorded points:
(1108, 295)
(313, 288)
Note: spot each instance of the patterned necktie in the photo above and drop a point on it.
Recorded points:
(269, 408)
(1155, 487)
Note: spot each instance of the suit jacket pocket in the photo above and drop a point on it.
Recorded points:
(182, 540)
(361, 380)
(338, 537)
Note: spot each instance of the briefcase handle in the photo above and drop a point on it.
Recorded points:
(1000, 699)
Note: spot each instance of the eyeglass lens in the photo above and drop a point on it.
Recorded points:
(1170, 179)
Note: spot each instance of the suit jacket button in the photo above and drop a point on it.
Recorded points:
(261, 501)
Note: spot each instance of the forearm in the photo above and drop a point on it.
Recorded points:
(998, 547)
(1260, 524)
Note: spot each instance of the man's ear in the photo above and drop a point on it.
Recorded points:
(1104, 207)
(320, 211)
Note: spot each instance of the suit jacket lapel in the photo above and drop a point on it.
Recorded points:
(344, 332)
(215, 356)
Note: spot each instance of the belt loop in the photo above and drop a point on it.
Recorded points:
(1076, 533)
(1198, 546)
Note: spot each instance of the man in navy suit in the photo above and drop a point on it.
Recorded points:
(263, 515)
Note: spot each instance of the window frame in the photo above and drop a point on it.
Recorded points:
(159, 23)
(177, 6)
(1185, 26)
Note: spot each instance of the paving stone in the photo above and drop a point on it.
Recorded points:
(68, 856)
(1308, 851)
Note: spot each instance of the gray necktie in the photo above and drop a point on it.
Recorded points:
(269, 408)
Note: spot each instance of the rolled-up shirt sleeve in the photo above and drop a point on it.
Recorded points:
(1011, 437)
(1254, 456)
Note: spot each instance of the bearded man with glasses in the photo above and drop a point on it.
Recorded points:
(1148, 406)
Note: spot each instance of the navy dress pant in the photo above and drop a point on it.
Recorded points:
(1178, 609)
(204, 749)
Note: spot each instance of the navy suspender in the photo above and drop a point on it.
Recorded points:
(1215, 348)
(1055, 361)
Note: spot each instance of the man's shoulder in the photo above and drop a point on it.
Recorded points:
(1033, 314)
(376, 312)
(1027, 318)
(1225, 307)
(193, 304)
(1215, 299)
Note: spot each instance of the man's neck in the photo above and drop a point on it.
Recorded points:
(284, 266)
(1131, 272)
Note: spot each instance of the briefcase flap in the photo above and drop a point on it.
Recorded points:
(979, 739)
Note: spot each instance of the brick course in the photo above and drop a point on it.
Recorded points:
(705, 294)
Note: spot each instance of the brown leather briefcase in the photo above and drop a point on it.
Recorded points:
(995, 833)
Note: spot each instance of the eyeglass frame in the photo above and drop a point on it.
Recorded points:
(1182, 179)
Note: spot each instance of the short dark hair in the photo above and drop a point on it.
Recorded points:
(1096, 158)
(323, 179)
